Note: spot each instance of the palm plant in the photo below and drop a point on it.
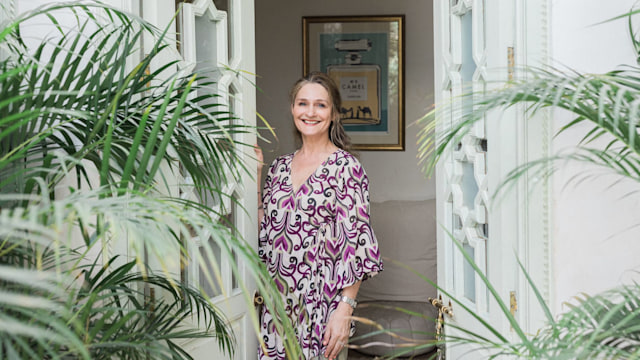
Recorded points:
(88, 138)
(600, 326)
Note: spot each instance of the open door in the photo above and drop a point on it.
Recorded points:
(477, 43)
(219, 34)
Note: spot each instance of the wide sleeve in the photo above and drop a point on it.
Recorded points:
(360, 254)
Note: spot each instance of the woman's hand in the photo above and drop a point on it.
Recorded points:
(260, 161)
(337, 332)
(259, 157)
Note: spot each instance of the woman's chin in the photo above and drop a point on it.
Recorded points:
(312, 130)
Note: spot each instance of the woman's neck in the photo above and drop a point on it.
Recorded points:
(317, 146)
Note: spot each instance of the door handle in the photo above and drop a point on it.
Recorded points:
(257, 299)
(442, 310)
(438, 304)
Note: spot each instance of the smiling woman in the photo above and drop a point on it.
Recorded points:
(315, 236)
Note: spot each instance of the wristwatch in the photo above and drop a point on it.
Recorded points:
(349, 301)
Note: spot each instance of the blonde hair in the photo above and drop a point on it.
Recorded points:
(337, 135)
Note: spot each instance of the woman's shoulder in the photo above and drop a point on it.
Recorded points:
(346, 163)
(281, 162)
(283, 158)
(345, 158)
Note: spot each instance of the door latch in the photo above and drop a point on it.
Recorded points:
(511, 62)
(513, 304)
(442, 310)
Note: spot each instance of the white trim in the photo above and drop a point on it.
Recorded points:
(532, 38)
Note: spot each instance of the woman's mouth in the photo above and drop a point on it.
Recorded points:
(310, 122)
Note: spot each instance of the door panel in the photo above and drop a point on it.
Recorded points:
(218, 35)
(463, 176)
(478, 43)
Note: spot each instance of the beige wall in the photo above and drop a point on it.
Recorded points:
(393, 175)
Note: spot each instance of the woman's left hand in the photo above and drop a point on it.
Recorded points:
(337, 332)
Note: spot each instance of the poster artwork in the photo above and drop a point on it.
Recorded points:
(360, 93)
(364, 56)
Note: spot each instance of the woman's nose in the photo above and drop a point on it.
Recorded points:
(311, 110)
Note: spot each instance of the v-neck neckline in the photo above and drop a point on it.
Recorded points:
(312, 174)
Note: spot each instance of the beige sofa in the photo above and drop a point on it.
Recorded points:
(406, 232)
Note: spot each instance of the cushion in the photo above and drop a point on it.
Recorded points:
(416, 329)
(406, 232)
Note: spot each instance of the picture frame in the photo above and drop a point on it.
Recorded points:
(365, 57)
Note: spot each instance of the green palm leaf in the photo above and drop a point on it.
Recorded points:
(604, 326)
(73, 107)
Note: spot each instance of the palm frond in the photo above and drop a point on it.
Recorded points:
(602, 325)
(608, 106)
(133, 110)
(72, 106)
(609, 103)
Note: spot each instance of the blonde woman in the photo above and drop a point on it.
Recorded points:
(315, 235)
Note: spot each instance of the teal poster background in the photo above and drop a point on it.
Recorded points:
(378, 54)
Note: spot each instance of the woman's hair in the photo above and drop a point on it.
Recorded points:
(337, 135)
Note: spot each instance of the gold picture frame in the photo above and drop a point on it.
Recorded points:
(365, 56)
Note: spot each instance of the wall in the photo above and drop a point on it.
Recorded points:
(393, 175)
(595, 242)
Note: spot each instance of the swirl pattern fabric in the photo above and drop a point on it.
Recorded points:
(314, 241)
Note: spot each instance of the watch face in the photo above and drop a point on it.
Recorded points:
(350, 301)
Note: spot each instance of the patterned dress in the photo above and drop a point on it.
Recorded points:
(315, 242)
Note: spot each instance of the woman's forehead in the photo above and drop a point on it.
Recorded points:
(313, 91)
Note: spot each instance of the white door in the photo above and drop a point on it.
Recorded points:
(216, 37)
(477, 43)
(219, 34)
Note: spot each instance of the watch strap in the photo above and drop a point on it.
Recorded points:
(352, 302)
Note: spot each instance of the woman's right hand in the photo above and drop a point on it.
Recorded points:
(260, 160)
(259, 157)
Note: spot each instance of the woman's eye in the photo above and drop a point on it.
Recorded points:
(302, 103)
(322, 105)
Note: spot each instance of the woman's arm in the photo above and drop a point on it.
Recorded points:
(338, 328)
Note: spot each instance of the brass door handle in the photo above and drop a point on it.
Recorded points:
(442, 309)
(257, 299)
(448, 310)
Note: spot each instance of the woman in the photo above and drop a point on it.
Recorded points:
(315, 236)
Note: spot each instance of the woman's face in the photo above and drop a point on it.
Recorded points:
(312, 111)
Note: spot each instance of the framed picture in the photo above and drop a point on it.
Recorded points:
(365, 57)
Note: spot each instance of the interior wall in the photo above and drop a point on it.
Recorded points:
(394, 175)
(596, 245)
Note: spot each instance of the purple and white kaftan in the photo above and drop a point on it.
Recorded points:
(315, 242)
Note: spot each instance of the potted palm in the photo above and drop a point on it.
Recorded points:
(602, 326)
(88, 136)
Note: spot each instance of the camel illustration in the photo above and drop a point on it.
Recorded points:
(344, 112)
(365, 111)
